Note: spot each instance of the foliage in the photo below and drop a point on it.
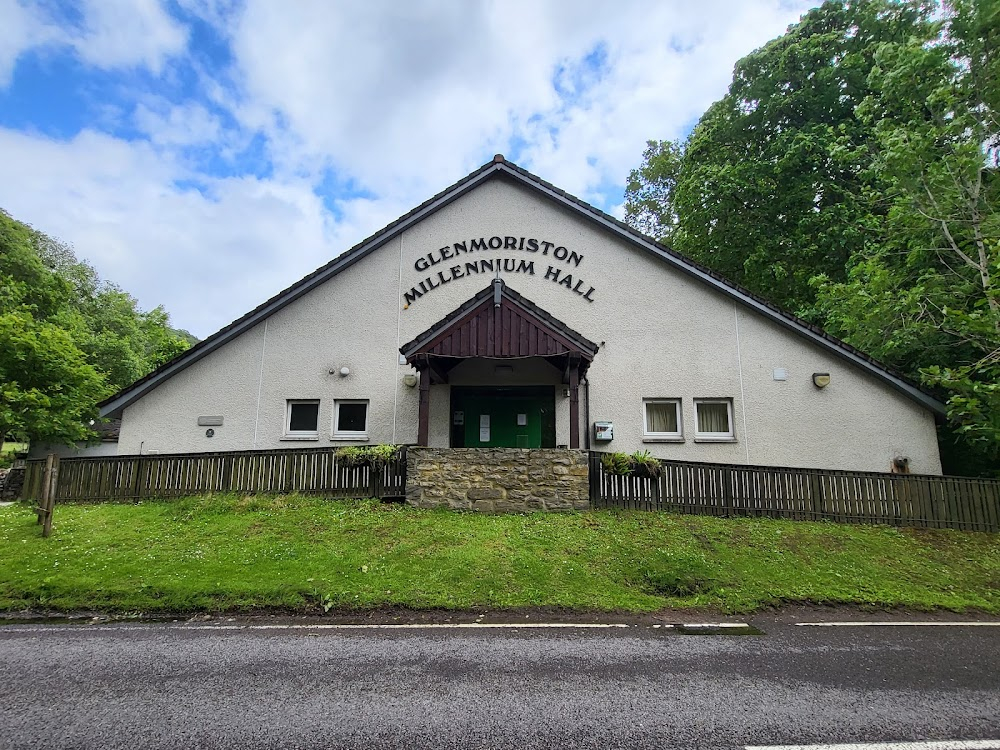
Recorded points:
(617, 463)
(67, 338)
(649, 194)
(8, 451)
(850, 175)
(309, 554)
(925, 297)
(639, 462)
(374, 455)
(47, 389)
(769, 187)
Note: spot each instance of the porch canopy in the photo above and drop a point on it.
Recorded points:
(498, 323)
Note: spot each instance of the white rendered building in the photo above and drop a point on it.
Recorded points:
(504, 312)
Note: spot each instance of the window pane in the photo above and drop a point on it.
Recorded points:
(352, 417)
(713, 418)
(304, 418)
(661, 417)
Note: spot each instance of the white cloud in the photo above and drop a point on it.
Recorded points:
(178, 125)
(112, 34)
(23, 29)
(125, 33)
(408, 97)
(209, 257)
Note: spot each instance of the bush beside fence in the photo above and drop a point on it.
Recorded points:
(804, 494)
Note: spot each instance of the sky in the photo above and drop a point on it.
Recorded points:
(206, 154)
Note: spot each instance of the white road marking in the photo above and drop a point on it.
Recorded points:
(359, 626)
(945, 745)
(896, 625)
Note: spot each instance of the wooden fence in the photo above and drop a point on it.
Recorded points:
(805, 494)
(309, 471)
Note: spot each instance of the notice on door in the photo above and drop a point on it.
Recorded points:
(484, 428)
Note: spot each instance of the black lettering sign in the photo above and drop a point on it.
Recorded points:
(485, 266)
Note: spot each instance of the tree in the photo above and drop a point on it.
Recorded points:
(67, 338)
(852, 175)
(48, 392)
(926, 295)
(770, 188)
(649, 195)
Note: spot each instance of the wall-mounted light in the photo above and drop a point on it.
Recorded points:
(409, 380)
(821, 379)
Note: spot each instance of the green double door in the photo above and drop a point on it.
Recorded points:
(503, 417)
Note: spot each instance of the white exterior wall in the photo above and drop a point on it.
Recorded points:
(662, 334)
(80, 450)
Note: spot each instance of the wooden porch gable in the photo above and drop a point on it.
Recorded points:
(499, 323)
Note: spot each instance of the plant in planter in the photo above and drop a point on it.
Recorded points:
(617, 463)
(645, 464)
(366, 455)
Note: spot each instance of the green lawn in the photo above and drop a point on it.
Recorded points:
(232, 553)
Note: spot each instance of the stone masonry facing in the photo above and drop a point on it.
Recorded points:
(497, 480)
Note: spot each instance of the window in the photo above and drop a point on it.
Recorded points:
(661, 419)
(350, 420)
(302, 420)
(715, 419)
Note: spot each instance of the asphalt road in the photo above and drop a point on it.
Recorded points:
(170, 686)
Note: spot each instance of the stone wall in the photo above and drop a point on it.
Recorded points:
(11, 483)
(497, 480)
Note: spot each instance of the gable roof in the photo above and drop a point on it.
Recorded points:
(499, 167)
(476, 329)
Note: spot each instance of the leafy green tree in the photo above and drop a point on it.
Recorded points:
(852, 175)
(925, 296)
(770, 188)
(650, 205)
(48, 392)
(67, 338)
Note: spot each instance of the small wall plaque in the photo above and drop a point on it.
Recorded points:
(210, 421)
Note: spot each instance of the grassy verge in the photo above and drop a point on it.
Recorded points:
(230, 553)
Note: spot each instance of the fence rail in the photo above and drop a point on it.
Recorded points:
(805, 494)
(309, 471)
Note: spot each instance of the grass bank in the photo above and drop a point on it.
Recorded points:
(231, 553)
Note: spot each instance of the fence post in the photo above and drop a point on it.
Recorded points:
(137, 480)
(816, 489)
(373, 475)
(49, 489)
(43, 494)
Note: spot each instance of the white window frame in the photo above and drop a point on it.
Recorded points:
(714, 437)
(350, 434)
(664, 437)
(291, 434)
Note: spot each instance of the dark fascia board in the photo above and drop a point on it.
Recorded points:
(499, 166)
(584, 345)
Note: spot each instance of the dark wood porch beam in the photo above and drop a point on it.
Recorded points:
(424, 420)
(574, 406)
